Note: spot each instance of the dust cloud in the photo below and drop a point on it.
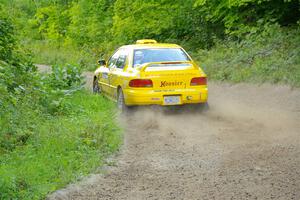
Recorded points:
(246, 146)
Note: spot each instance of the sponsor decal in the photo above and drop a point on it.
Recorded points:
(170, 83)
(155, 99)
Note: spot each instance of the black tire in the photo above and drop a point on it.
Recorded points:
(121, 102)
(203, 107)
(96, 88)
(196, 108)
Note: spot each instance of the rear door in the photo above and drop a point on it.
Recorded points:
(117, 74)
(105, 76)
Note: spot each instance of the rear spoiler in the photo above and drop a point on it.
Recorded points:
(143, 68)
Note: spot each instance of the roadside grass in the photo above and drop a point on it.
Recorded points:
(62, 149)
(45, 52)
(270, 56)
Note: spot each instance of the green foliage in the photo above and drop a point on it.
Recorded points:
(18, 80)
(52, 22)
(142, 19)
(270, 56)
(14, 66)
(83, 30)
(45, 97)
(51, 54)
(7, 41)
(247, 16)
(24, 92)
(68, 77)
(61, 149)
(51, 132)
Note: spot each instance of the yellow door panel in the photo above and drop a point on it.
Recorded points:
(104, 81)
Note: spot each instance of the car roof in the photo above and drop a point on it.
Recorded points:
(149, 46)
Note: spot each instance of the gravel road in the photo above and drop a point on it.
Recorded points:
(247, 146)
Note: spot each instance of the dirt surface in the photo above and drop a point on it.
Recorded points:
(43, 68)
(247, 146)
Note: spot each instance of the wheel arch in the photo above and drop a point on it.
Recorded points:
(95, 85)
(118, 89)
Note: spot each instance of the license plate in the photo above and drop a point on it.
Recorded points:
(171, 100)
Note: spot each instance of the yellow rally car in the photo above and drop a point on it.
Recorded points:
(149, 73)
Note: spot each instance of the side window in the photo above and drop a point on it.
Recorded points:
(121, 62)
(112, 61)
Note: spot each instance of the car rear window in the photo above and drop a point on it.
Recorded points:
(142, 56)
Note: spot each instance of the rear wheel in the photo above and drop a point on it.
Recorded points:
(199, 107)
(203, 107)
(96, 88)
(121, 101)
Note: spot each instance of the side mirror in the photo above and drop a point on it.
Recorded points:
(102, 62)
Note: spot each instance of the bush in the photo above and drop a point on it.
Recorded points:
(22, 106)
(18, 83)
(51, 132)
(60, 149)
(25, 94)
(269, 56)
(66, 77)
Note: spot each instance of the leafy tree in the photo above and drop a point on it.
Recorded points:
(246, 16)
(95, 26)
(136, 19)
(52, 22)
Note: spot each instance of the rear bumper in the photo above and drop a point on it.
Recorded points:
(156, 97)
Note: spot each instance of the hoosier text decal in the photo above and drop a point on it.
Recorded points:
(172, 83)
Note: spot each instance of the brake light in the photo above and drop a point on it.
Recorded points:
(141, 83)
(198, 81)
